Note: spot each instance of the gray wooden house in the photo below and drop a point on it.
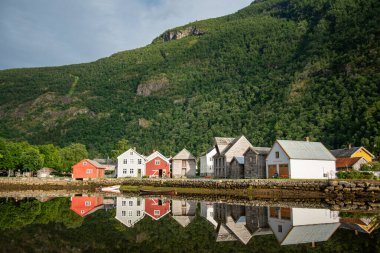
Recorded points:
(237, 167)
(255, 163)
(184, 164)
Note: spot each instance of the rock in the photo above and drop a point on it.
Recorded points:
(147, 88)
(177, 35)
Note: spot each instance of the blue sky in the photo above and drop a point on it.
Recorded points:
(37, 33)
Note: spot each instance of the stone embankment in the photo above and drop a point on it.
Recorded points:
(329, 188)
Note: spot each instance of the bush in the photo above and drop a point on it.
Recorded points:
(355, 175)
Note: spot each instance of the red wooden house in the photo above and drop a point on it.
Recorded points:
(157, 208)
(88, 169)
(157, 165)
(86, 205)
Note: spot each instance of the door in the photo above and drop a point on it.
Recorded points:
(272, 170)
(159, 173)
(139, 173)
(284, 171)
(183, 172)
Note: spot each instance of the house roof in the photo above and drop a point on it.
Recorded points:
(310, 233)
(348, 152)
(306, 150)
(233, 143)
(259, 150)
(183, 220)
(239, 159)
(134, 150)
(155, 154)
(105, 161)
(224, 234)
(96, 164)
(222, 142)
(239, 229)
(347, 162)
(184, 154)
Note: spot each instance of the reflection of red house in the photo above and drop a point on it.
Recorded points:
(86, 205)
(157, 208)
(88, 169)
(157, 165)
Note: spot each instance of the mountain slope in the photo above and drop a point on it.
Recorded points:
(276, 69)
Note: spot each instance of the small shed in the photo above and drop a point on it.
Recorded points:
(237, 167)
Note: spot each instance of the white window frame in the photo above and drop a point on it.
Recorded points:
(123, 203)
(139, 161)
(87, 203)
(130, 213)
(130, 203)
(157, 162)
(88, 171)
(157, 212)
(131, 171)
(123, 213)
(125, 161)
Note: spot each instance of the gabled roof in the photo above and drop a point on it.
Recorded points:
(155, 154)
(183, 220)
(239, 229)
(134, 150)
(348, 152)
(222, 142)
(306, 150)
(239, 159)
(233, 143)
(347, 162)
(259, 150)
(96, 164)
(224, 234)
(184, 154)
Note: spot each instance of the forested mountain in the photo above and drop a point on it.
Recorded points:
(276, 69)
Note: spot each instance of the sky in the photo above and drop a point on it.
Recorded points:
(38, 33)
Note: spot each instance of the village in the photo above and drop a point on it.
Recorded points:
(230, 222)
(233, 158)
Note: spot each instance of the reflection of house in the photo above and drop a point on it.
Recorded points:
(157, 165)
(84, 205)
(351, 152)
(301, 225)
(226, 149)
(207, 211)
(157, 208)
(130, 164)
(300, 159)
(184, 164)
(88, 169)
(240, 222)
(129, 211)
(183, 211)
(207, 163)
(354, 163)
(363, 225)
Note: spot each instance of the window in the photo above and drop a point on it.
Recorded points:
(87, 203)
(156, 212)
(130, 203)
(138, 202)
(123, 203)
(131, 161)
(130, 213)
(280, 228)
(157, 162)
(184, 164)
(138, 213)
(139, 161)
(125, 171)
(129, 222)
(123, 213)
(277, 154)
(82, 211)
(84, 163)
(125, 161)
(131, 153)
(89, 171)
(131, 171)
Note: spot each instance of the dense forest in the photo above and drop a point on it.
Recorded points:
(32, 226)
(277, 69)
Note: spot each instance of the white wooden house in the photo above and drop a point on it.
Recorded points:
(129, 211)
(131, 164)
(302, 225)
(207, 163)
(300, 159)
(184, 164)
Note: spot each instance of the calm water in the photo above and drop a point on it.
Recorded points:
(135, 224)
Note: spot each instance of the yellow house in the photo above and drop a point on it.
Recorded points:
(353, 152)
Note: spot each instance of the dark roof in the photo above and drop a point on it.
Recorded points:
(346, 162)
(259, 150)
(344, 152)
(239, 159)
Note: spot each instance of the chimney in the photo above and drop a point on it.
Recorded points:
(134, 148)
(349, 145)
(307, 138)
(154, 150)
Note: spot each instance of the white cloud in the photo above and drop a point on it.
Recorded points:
(54, 32)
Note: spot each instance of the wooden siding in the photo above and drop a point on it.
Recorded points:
(254, 165)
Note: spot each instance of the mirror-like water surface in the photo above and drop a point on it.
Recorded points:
(136, 224)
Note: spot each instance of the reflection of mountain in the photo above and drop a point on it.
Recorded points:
(363, 225)
(85, 205)
(129, 211)
(239, 222)
(301, 225)
(157, 208)
(183, 211)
